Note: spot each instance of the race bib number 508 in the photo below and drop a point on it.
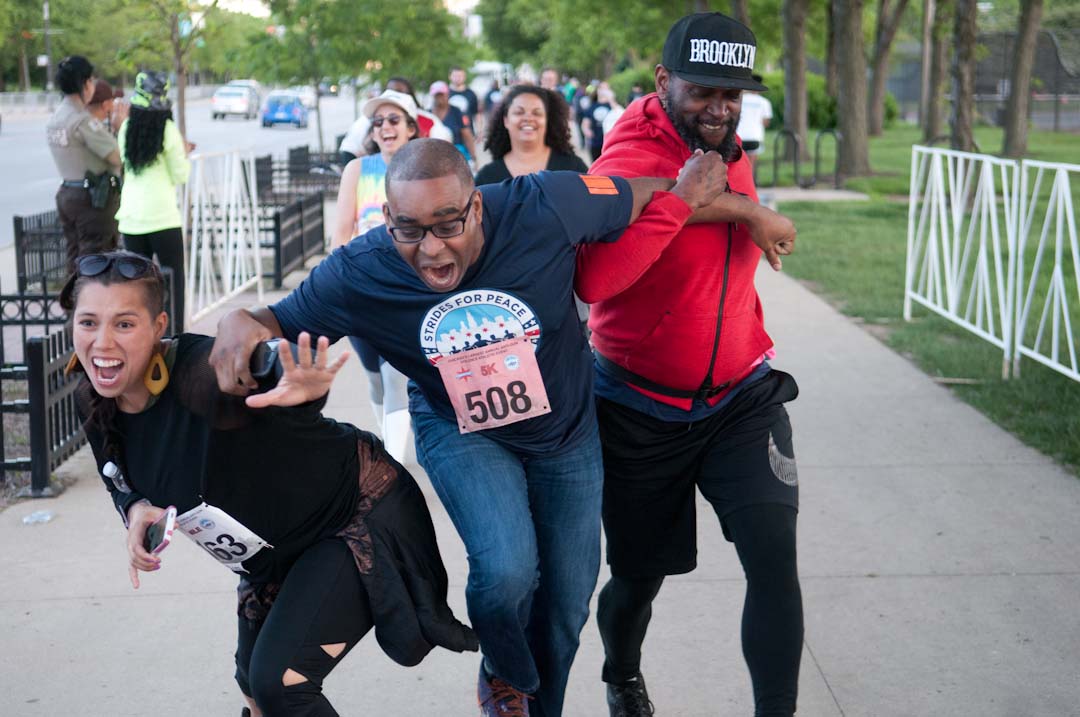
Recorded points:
(494, 385)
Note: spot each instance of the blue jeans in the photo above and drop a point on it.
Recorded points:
(531, 527)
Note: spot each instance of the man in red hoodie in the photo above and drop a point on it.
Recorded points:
(685, 395)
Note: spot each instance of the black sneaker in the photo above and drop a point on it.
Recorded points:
(629, 699)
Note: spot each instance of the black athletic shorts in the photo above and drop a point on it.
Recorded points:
(743, 455)
(750, 145)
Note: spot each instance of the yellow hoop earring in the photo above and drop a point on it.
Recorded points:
(155, 384)
(72, 365)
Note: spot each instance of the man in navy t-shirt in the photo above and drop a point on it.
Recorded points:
(469, 293)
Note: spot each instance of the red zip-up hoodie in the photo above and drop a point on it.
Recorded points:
(657, 292)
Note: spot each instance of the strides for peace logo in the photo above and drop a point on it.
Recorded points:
(473, 319)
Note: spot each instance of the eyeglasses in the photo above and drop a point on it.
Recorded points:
(129, 266)
(446, 229)
(394, 120)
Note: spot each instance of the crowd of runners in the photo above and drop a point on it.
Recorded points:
(571, 347)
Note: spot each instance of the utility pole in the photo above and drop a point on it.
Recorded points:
(48, 49)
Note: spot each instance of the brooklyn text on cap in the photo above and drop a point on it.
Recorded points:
(714, 50)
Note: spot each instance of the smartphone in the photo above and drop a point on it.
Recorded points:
(265, 365)
(160, 533)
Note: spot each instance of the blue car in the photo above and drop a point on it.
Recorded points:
(284, 108)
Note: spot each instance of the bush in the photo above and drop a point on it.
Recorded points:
(820, 110)
(892, 109)
(622, 82)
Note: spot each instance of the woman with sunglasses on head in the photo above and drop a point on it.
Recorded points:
(529, 132)
(359, 208)
(155, 163)
(329, 534)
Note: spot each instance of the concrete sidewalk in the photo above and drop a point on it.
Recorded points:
(938, 559)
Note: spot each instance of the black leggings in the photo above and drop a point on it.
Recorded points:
(322, 603)
(772, 620)
(168, 244)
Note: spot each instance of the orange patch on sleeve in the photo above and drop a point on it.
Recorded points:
(599, 185)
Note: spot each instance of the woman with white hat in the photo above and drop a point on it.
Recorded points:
(359, 209)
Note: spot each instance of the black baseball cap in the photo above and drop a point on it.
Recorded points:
(714, 50)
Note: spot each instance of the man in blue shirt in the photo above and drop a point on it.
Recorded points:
(468, 292)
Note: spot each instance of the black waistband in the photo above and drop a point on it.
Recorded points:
(74, 183)
(628, 376)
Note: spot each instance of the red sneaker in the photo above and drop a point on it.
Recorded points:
(499, 699)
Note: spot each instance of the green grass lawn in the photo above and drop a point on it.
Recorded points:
(854, 253)
(890, 157)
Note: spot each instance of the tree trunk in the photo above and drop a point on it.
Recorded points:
(318, 114)
(929, 7)
(854, 152)
(793, 14)
(24, 68)
(887, 25)
(939, 59)
(965, 33)
(740, 10)
(181, 77)
(1016, 111)
(832, 69)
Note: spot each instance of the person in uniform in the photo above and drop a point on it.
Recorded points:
(83, 148)
(104, 107)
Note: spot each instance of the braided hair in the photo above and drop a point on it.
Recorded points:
(144, 137)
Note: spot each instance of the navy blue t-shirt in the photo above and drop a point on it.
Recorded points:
(521, 284)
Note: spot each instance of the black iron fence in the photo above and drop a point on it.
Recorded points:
(40, 251)
(292, 232)
(55, 429)
(300, 173)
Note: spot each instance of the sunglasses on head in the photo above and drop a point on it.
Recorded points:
(128, 266)
(394, 120)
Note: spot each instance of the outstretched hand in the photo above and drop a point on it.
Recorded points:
(304, 381)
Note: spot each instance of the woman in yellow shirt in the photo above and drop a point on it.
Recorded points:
(155, 163)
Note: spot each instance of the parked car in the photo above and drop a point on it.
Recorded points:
(234, 101)
(253, 85)
(284, 108)
(306, 95)
(326, 87)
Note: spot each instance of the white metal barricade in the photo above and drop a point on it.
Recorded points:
(1050, 285)
(220, 218)
(961, 245)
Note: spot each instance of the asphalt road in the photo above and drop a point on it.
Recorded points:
(28, 177)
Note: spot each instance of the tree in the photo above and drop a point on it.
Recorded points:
(740, 10)
(832, 68)
(1016, 111)
(853, 153)
(928, 10)
(888, 21)
(965, 35)
(934, 101)
(794, 22)
(20, 37)
(183, 31)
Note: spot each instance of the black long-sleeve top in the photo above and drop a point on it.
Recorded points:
(288, 474)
